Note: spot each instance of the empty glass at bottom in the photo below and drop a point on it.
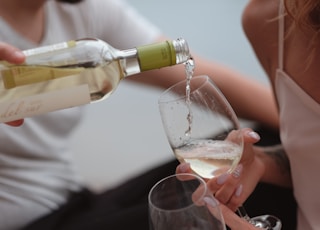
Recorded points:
(183, 202)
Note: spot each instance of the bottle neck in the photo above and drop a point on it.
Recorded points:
(130, 61)
(154, 56)
(182, 50)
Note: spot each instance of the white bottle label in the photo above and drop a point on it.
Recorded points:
(50, 48)
(44, 103)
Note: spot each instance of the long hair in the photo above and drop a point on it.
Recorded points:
(305, 13)
(306, 17)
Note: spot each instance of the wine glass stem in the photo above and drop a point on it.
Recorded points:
(243, 214)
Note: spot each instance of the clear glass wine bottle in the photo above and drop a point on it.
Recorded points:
(76, 72)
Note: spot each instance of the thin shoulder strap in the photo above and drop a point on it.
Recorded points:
(281, 35)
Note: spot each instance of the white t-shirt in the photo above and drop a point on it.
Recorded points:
(36, 169)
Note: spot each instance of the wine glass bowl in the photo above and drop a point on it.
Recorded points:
(201, 127)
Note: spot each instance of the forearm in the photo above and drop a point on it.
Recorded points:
(276, 164)
(249, 98)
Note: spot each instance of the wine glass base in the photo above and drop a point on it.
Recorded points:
(267, 222)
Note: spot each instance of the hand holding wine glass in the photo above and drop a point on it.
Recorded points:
(203, 130)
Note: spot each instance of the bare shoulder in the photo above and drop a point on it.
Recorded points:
(260, 15)
(260, 25)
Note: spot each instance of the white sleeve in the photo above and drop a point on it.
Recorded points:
(120, 24)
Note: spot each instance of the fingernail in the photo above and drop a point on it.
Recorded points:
(222, 178)
(239, 190)
(254, 135)
(237, 172)
(211, 201)
(18, 54)
(184, 167)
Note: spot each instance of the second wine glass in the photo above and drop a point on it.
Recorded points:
(182, 202)
(204, 131)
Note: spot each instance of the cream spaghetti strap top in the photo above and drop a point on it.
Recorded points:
(300, 135)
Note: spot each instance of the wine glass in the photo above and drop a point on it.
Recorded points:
(183, 202)
(204, 131)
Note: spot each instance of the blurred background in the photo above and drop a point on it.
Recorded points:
(122, 136)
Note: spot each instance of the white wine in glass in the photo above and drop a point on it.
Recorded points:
(204, 131)
(202, 128)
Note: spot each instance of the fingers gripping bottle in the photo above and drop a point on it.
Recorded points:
(76, 72)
